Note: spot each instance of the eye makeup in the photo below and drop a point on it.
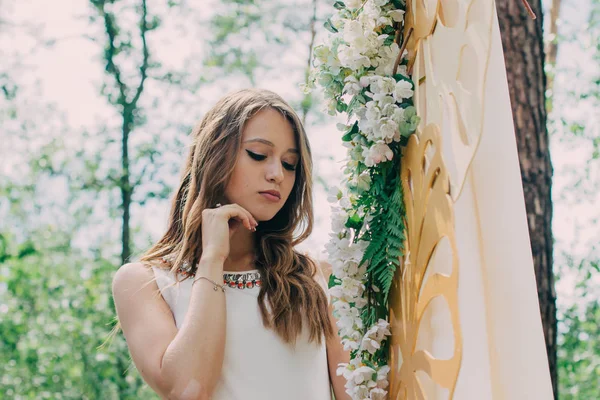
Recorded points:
(260, 157)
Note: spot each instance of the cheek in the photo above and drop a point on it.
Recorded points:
(239, 179)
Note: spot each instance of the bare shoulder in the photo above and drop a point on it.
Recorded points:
(325, 268)
(146, 319)
(132, 275)
(322, 273)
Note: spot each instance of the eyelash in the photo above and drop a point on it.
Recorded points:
(259, 157)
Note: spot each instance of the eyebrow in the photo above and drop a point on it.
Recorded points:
(265, 141)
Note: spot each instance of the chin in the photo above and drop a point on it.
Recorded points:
(264, 216)
(267, 213)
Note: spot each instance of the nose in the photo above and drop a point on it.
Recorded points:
(275, 172)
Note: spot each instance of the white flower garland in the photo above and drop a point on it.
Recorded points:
(355, 66)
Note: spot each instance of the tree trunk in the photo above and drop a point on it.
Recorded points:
(523, 44)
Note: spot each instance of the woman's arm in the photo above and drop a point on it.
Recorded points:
(194, 359)
(335, 350)
(182, 364)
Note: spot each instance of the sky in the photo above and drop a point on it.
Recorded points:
(70, 76)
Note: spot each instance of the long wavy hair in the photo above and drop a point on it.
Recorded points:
(295, 299)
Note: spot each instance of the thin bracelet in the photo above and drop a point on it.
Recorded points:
(211, 281)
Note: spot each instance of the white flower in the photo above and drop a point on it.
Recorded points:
(349, 344)
(369, 345)
(386, 59)
(363, 374)
(334, 194)
(321, 53)
(344, 369)
(348, 290)
(356, 56)
(373, 112)
(352, 86)
(330, 107)
(338, 220)
(352, 4)
(365, 81)
(398, 115)
(337, 21)
(403, 70)
(396, 15)
(359, 392)
(363, 181)
(351, 57)
(385, 100)
(403, 90)
(380, 3)
(382, 374)
(387, 130)
(341, 307)
(345, 202)
(377, 153)
(353, 30)
(377, 394)
(383, 85)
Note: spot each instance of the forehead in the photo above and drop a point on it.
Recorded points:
(269, 125)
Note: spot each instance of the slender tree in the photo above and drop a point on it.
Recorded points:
(523, 42)
(125, 97)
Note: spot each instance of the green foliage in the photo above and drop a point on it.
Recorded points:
(329, 26)
(56, 309)
(387, 237)
(574, 125)
(339, 5)
(578, 348)
(248, 36)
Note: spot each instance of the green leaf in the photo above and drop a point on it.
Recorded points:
(341, 106)
(348, 135)
(329, 26)
(389, 40)
(400, 77)
(333, 281)
(354, 222)
(339, 5)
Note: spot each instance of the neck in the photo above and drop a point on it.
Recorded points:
(242, 251)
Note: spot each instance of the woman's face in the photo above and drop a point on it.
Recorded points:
(267, 161)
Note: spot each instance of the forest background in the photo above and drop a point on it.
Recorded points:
(95, 112)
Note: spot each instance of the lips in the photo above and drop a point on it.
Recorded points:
(272, 193)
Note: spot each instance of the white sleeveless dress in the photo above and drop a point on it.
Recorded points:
(257, 364)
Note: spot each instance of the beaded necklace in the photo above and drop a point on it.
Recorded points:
(241, 280)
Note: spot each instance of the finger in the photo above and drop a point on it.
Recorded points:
(251, 221)
(242, 215)
(251, 218)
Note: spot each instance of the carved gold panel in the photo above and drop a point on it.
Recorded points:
(429, 222)
(449, 50)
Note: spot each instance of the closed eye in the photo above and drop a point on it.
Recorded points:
(259, 157)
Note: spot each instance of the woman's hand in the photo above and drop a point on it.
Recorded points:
(218, 226)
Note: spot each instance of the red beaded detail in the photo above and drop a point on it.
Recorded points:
(239, 280)
(242, 280)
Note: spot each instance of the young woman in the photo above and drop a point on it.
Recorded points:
(242, 314)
